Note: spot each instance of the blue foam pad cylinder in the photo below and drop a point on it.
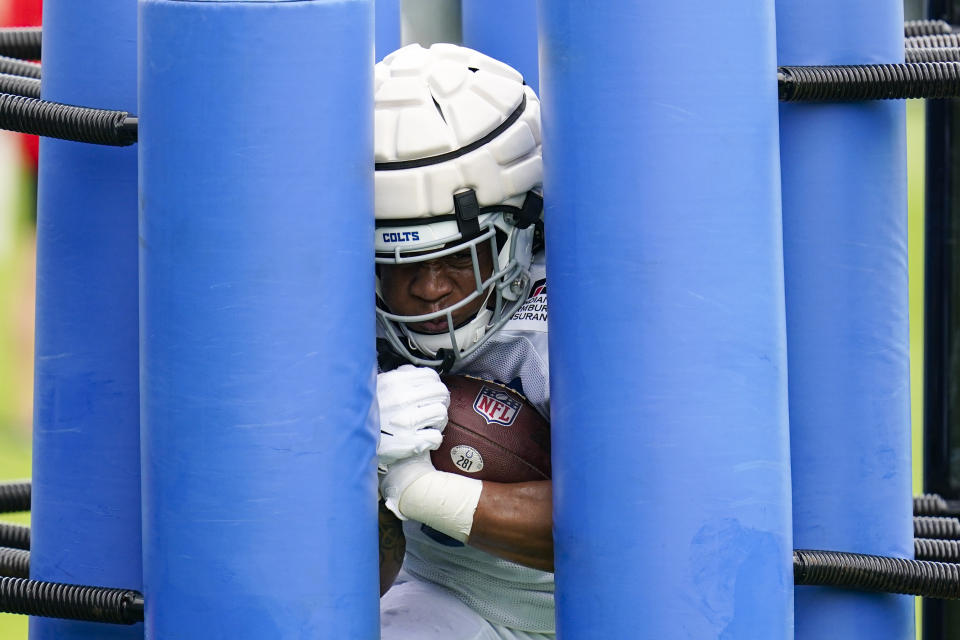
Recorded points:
(257, 319)
(387, 19)
(845, 253)
(667, 329)
(86, 466)
(506, 30)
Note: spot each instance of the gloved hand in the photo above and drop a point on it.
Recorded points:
(413, 413)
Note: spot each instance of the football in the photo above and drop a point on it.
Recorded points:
(493, 433)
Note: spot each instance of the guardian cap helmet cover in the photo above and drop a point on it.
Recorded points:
(458, 163)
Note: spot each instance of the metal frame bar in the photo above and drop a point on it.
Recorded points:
(941, 337)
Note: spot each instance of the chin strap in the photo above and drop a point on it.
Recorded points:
(387, 357)
(447, 358)
(528, 213)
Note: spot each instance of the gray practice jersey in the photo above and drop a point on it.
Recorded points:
(501, 591)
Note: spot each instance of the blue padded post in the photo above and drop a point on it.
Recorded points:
(257, 311)
(845, 254)
(387, 27)
(505, 30)
(667, 336)
(86, 438)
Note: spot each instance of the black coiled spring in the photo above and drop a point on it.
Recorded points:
(914, 28)
(74, 602)
(14, 535)
(19, 86)
(14, 563)
(938, 54)
(14, 496)
(876, 573)
(931, 504)
(936, 550)
(55, 120)
(20, 42)
(933, 41)
(19, 67)
(869, 82)
(937, 528)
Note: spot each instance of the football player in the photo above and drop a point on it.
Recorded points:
(460, 289)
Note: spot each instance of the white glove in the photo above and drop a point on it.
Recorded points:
(414, 490)
(413, 413)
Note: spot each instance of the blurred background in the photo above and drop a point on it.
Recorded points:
(18, 188)
(423, 21)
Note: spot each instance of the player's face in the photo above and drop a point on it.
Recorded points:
(426, 287)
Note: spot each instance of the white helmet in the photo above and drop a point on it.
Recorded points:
(458, 163)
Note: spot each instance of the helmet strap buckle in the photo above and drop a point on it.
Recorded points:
(467, 210)
(530, 210)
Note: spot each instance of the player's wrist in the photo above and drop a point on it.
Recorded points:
(414, 490)
(444, 501)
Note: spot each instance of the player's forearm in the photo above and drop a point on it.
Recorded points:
(515, 522)
(392, 547)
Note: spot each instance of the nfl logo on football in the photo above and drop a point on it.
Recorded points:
(496, 407)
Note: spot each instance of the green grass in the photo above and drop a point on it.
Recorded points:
(16, 375)
(14, 465)
(915, 180)
(916, 164)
